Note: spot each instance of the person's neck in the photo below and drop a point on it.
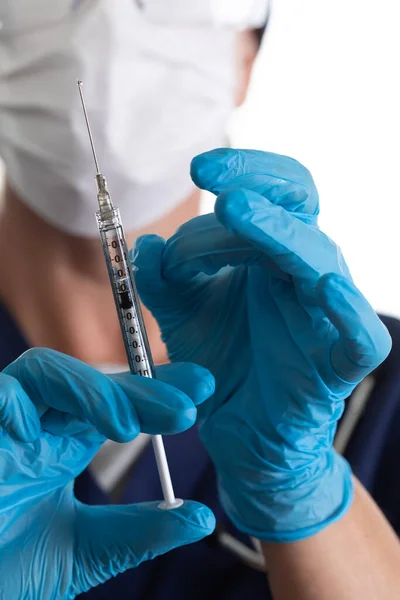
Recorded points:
(56, 288)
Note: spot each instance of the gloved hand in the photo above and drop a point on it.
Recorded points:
(262, 298)
(55, 412)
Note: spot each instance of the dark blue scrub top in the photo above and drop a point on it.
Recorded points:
(205, 570)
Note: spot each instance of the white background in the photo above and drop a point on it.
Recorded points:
(326, 91)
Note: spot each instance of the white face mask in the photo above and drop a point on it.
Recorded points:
(157, 93)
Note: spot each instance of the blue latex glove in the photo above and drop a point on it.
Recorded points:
(262, 298)
(55, 412)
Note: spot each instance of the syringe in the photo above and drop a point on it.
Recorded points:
(127, 304)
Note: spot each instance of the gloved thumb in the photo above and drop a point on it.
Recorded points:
(112, 539)
(162, 297)
(145, 257)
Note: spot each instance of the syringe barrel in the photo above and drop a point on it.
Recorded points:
(125, 294)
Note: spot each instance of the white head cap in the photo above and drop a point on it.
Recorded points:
(158, 78)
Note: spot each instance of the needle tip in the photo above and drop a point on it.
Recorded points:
(80, 82)
(88, 126)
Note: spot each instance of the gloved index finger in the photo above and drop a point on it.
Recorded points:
(68, 385)
(281, 179)
(300, 250)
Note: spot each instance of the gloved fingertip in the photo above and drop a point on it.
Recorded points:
(208, 169)
(206, 386)
(235, 207)
(364, 341)
(192, 379)
(146, 260)
(145, 248)
(200, 382)
(335, 282)
(197, 517)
